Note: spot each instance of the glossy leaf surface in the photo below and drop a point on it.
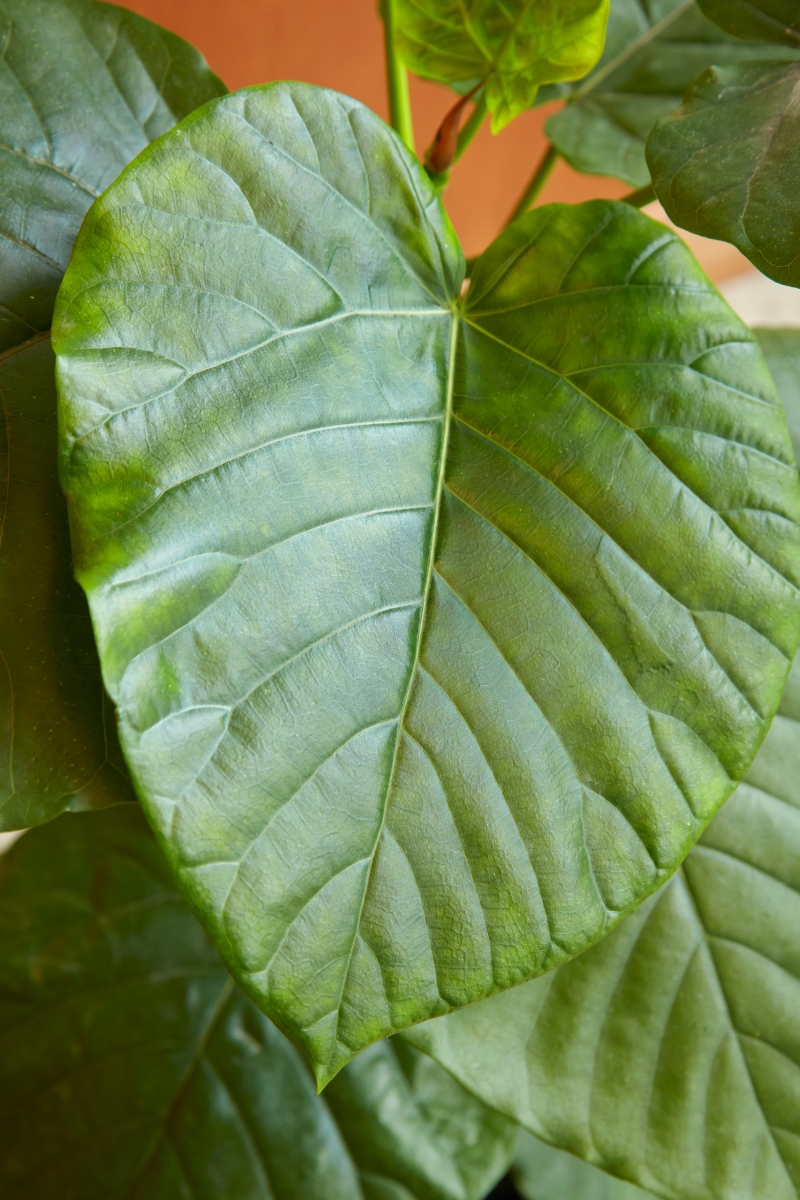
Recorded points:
(541, 1172)
(83, 88)
(130, 1066)
(670, 1053)
(763, 20)
(653, 53)
(515, 46)
(366, 562)
(782, 351)
(725, 165)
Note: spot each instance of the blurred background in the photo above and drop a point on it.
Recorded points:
(339, 44)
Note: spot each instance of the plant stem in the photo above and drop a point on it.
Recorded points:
(396, 80)
(537, 182)
(471, 127)
(643, 195)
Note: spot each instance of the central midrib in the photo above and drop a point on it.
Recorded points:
(437, 505)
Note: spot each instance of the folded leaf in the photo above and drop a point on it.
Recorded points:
(130, 1066)
(653, 53)
(83, 88)
(670, 1053)
(760, 20)
(515, 46)
(725, 164)
(419, 612)
(541, 1172)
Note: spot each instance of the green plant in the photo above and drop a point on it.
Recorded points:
(440, 618)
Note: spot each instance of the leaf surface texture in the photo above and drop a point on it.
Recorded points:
(417, 611)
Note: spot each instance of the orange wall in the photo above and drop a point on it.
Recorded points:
(338, 44)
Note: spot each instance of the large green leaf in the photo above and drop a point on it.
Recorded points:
(670, 1053)
(433, 654)
(725, 165)
(654, 49)
(762, 20)
(782, 351)
(130, 1066)
(541, 1172)
(515, 46)
(83, 88)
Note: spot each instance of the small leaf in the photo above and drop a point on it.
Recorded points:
(83, 88)
(725, 165)
(418, 612)
(759, 20)
(131, 1067)
(541, 1172)
(670, 1053)
(515, 46)
(652, 54)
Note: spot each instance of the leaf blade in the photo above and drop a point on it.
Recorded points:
(282, 559)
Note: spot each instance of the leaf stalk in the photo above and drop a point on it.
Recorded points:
(400, 116)
(537, 182)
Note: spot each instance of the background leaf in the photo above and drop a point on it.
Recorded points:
(83, 88)
(782, 351)
(541, 1172)
(653, 53)
(130, 1066)
(670, 1053)
(514, 46)
(355, 680)
(760, 20)
(725, 165)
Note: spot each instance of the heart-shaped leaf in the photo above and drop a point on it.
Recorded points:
(131, 1067)
(541, 1172)
(83, 88)
(418, 612)
(513, 46)
(775, 21)
(653, 53)
(725, 165)
(670, 1053)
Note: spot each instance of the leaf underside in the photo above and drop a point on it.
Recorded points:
(652, 55)
(419, 614)
(725, 164)
(670, 1053)
(131, 1067)
(83, 88)
(514, 46)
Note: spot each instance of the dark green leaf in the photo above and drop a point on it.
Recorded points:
(130, 1066)
(653, 52)
(541, 1172)
(759, 20)
(725, 165)
(782, 351)
(420, 614)
(83, 88)
(514, 45)
(670, 1053)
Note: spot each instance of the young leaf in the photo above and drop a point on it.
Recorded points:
(652, 54)
(725, 164)
(670, 1053)
(782, 351)
(760, 20)
(130, 1066)
(83, 88)
(419, 612)
(515, 46)
(541, 1172)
